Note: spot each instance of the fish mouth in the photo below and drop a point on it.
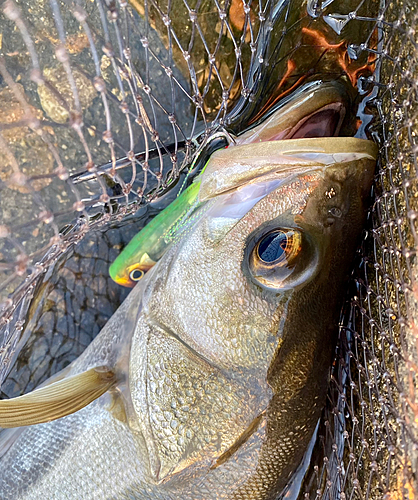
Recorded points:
(326, 122)
(315, 110)
(300, 134)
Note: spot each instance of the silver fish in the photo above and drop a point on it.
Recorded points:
(218, 359)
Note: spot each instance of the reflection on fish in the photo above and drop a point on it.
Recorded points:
(220, 354)
(316, 110)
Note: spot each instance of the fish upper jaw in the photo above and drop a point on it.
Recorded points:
(231, 168)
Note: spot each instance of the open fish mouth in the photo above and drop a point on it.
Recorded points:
(323, 123)
(304, 125)
(317, 109)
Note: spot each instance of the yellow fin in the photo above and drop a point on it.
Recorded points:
(56, 400)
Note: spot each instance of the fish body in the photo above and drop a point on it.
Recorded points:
(221, 352)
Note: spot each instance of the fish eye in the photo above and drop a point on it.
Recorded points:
(281, 258)
(136, 274)
(278, 248)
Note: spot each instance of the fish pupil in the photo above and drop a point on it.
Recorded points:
(273, 246)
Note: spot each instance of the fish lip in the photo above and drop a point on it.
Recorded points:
(225, 172)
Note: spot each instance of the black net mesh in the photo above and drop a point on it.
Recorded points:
(369, 433)
(103, 105)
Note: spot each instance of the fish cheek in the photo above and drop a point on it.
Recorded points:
(310, 329)
(189, 411)
(298, 374)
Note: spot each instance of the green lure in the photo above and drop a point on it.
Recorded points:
(147, 247)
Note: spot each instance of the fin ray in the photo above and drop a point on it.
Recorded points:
(57, 399)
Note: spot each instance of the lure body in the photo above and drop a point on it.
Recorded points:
(149, 244)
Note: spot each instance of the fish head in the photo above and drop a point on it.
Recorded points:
(244, 306)
(127, 272)
(317, 109)
(262, 235)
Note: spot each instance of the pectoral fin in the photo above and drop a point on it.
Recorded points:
(56, 400)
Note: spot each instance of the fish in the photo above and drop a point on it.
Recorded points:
(209, 380)
(317, 109)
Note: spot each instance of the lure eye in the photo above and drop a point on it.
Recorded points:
(282, 259)
(136, 274)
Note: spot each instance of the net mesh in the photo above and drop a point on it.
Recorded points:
(103, 104)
